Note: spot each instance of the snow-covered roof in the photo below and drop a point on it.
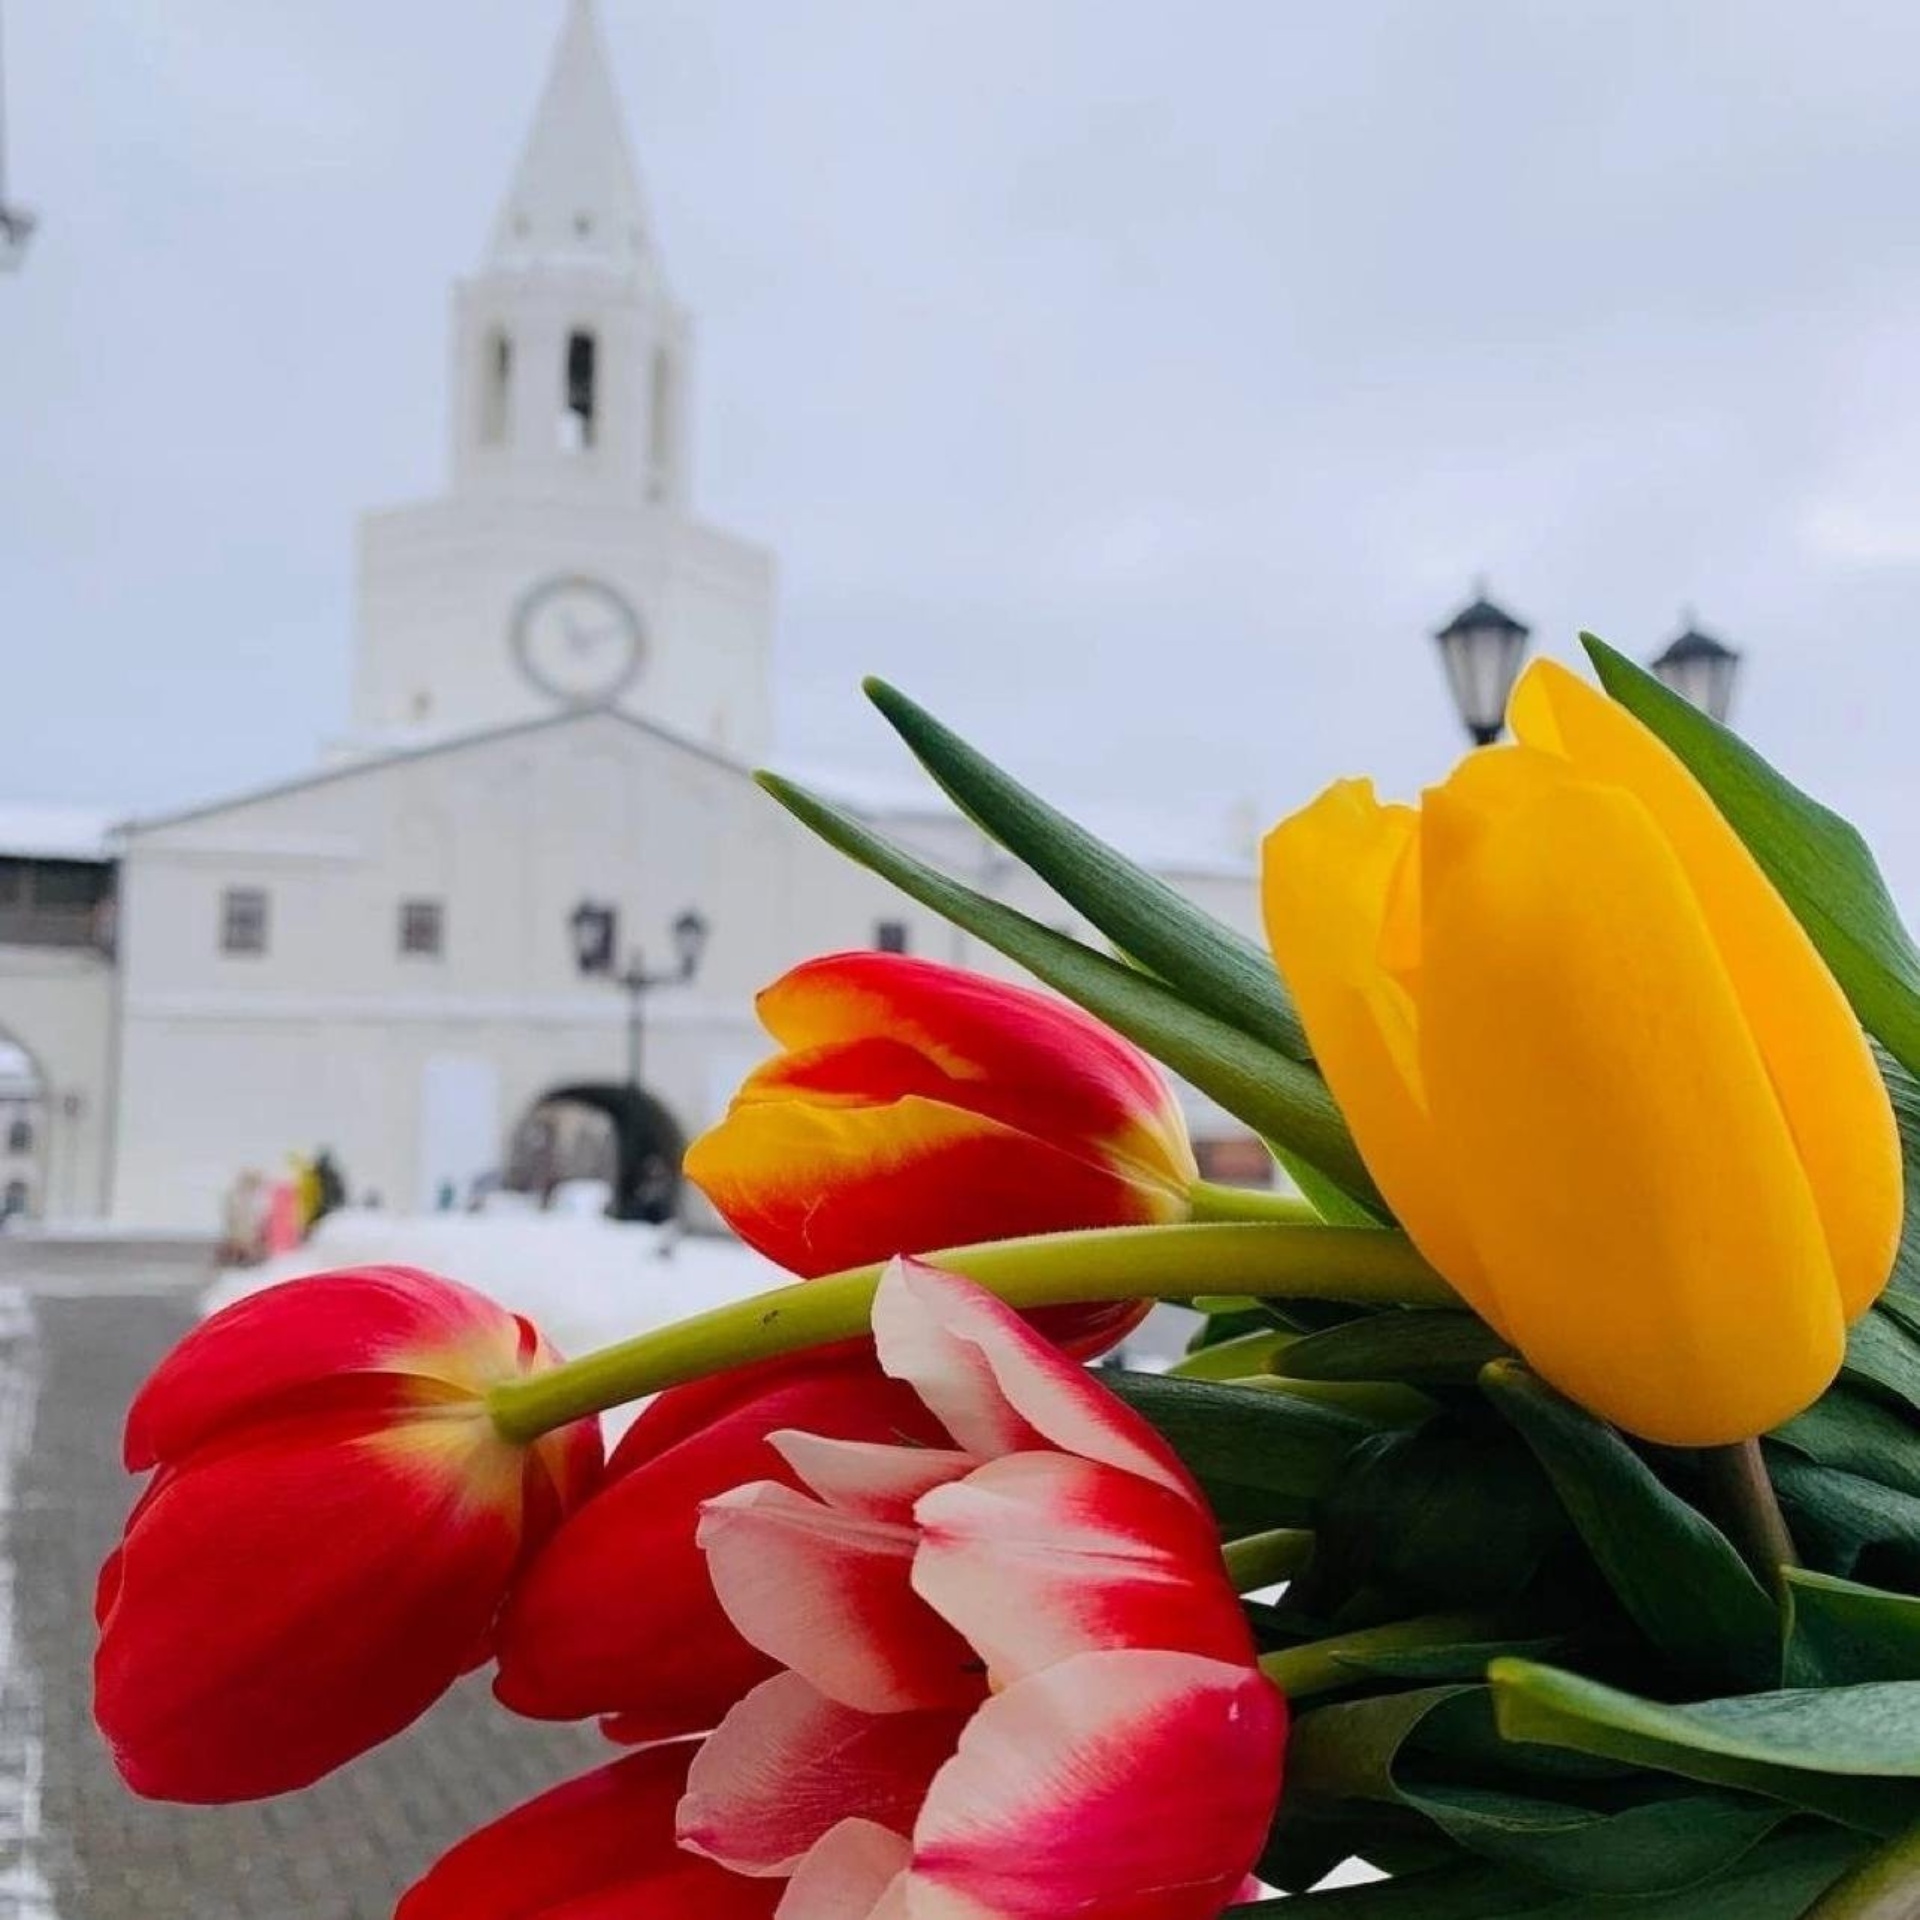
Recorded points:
(29, 832)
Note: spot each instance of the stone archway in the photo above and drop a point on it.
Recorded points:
(599, 1130)
(25, 1121)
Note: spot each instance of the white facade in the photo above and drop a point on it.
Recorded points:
(561, 684)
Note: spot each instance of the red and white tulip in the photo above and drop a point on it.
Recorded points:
(1016, 1678)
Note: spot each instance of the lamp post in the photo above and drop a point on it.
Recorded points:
(595, 926)
(1699, 668)
(1481, 648)
(16, 223)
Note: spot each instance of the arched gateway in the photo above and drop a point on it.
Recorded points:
(599, 1130)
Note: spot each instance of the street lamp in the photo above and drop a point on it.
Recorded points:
(595, 926)
(16, 223)
(1699, 668)
(1481, 648)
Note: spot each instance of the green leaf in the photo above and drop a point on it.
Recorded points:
(1851, 1754)
(1841, 1519)
(1422, 1346)
(1337, 1208)
(1262, 1458)
(1677, 1575)
(1445, 1515)
(1208, 964)
(1232, 1359)
(1777, 1880)
(1881, 1353)
(1654, 1840)
(1850, 1430)
(1902, 1297)
(1840, 1633)
(1820, 864)
(1275, 1095)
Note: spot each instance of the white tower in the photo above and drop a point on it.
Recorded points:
(563, 565)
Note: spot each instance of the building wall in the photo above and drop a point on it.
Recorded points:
(334, 1037)
(58, 1004)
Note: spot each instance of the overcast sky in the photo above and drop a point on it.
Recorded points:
(1136, 384)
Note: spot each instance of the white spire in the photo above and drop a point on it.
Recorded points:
(575, 194)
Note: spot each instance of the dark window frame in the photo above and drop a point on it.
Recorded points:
(246, 922)
(422, 914)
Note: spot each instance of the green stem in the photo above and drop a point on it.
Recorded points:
(1362, 1264)
(1211, 1201)
(1884, 1886)
(1322, 1665)
(1261, 1559)
(1749, 1511)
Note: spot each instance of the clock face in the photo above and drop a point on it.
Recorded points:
(577, 640)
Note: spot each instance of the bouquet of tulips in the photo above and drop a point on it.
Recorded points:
(1535, 1519)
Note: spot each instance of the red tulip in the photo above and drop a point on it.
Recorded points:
(1018, 1681)
(916, 1106)
(597, 1848)
(616, 1614)
(332, 1524)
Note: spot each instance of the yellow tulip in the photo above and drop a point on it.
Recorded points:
(1597, 1068)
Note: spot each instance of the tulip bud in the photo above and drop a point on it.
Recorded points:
(916, 1106)
(330, 1528)
(1597, 1068)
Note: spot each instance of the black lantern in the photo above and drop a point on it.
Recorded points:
(690, 941)
(595, 927)
(16, 223)
(1700, 669)
(1481, 648)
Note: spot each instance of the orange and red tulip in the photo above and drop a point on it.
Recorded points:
(330, 1528)
(915, 1106)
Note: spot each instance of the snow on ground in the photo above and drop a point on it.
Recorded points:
(582, 1279)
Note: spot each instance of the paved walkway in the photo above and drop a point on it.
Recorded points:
(74, 1844)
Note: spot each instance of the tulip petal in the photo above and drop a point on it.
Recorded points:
(617, 1614)
(856, 1872)
(1030, 1059)
(1637, 1200)
(599, 1845)
(377, 1337)
(822, 1188)
(370, 1568)
(1039, 1556)
(865, 1477)
(829, 1594)
(1137, 1784)
(1339, 883)
(997, 1386)
(1816, 1055)
(787, 1765)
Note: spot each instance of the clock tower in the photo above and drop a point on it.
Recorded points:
(564, 567)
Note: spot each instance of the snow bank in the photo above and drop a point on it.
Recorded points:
(583, 1280)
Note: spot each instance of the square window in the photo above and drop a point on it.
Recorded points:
(243, 920)
(422, 928)
(890, 936)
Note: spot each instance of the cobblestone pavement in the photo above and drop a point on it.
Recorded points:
(74, 1844)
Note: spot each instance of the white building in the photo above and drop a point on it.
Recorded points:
(560, 688)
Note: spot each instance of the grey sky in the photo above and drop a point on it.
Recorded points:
(1136, 384)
